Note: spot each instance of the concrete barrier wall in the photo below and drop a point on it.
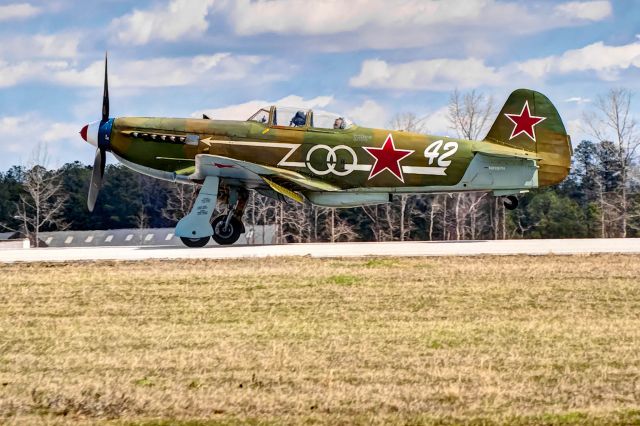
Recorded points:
(14, 244)
(260, 234)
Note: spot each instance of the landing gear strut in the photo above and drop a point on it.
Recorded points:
(510, 202)
(228, 227)
(194, 229)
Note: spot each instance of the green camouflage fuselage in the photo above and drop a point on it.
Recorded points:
(179, 157)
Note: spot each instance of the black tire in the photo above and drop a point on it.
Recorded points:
(195, 242)
(228, 236)
(510, 202)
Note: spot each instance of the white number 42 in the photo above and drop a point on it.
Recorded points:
(432, 152)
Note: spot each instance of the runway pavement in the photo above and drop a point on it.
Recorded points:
(413, 248)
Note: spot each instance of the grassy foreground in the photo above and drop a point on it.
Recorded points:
(481, 340)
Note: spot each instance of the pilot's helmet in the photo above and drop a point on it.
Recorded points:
(339, 123)
(299, 119)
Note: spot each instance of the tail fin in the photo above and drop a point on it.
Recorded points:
(529, 121)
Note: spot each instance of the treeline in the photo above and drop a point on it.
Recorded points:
(127, 199)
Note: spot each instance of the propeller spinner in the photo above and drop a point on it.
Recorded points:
(98, 134)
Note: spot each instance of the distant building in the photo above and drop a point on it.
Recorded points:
(13, 240)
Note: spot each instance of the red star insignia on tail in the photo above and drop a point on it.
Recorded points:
(525, 122)
(388, 157)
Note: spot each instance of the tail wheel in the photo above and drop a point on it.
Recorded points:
(224, 234)
(195, 242)
(510, 202)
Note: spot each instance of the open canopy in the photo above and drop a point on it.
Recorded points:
(300, 117)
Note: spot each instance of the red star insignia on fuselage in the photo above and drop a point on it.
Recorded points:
(525, 122)
(388, 157)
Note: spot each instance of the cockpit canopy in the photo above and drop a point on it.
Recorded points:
(300, 117)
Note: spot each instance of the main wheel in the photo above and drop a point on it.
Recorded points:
(225, 235)
(510, 202)
(195, 242)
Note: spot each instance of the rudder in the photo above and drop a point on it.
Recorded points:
(529, 121)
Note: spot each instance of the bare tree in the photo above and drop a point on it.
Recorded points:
(434, 206)
(250, 214)
(339, 228)
(611, 120)
(470, 217)
(180, 199)
(403, 208)
(42, 202)
(469, 113)
(520, 230)
(498, 219)
(409, 122)
(296, 226)
(469, 116)
(610, 210)
(317, 218)
(381, 221)
(262, 210)
(142, 223)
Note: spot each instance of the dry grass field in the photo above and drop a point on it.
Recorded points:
(480, 340)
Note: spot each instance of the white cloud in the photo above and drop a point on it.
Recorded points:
(21, 135)
(383, 24)
(164, 72)
(12, 74)
(18, 11)
(369, 114)
(575, 127)
(588, 10)
(63, 45)
(178, 19)
(447, 74)
(60, 132)
(437, 122)
(434, 74)
(330, 16)
(244, 110)
(157, 72)
(605, 60)
(55, 46)
(36, 57)
(578, 100)
(10, 127)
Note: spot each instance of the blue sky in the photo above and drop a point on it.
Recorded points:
(365, 59)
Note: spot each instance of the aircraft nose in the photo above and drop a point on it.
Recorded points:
(90, 133)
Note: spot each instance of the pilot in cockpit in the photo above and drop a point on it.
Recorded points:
(298, 120)
(339, 123)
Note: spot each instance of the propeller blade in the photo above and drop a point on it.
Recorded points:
(96, 178)
(105, 93)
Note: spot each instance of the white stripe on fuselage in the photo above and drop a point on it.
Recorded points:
(292, 147)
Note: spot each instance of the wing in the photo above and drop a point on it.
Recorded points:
(285, 182)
